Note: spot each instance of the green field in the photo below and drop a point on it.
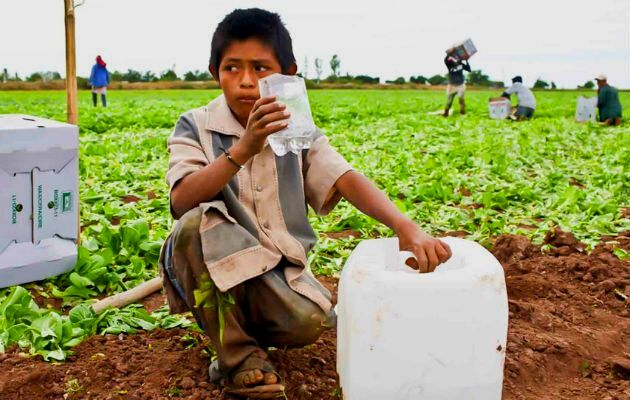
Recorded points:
(465, 173)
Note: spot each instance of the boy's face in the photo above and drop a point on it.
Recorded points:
(243, 63)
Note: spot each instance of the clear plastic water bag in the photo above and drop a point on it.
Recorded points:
(290, 90)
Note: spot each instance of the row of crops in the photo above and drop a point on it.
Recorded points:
(465, 173)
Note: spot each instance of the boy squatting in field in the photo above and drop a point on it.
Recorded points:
(242, 217)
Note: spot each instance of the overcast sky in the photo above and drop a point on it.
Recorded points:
(566, 41)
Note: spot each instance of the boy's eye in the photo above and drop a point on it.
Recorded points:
(261, 68)
(230, 68)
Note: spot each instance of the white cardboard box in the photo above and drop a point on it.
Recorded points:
(463, 50)
(499, 108)
(586, 109)
(39, 178)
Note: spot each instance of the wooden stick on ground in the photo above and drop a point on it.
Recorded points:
(130, 296)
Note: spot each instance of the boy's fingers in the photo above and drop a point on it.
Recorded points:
(447, 248)
(270, 129)
(422, 261)
(262, 101)
(266, 109)
(272, 117)
(432, 259)
(441, 252)
(412, 263)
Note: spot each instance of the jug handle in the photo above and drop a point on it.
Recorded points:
(405, 255)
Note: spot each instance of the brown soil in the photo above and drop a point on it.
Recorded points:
(46, 302)
(459, 234)
(343, 234)
(569, 334)
(465, 191)
(130, 198)
(569, 338)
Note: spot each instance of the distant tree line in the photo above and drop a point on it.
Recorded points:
(117, 76)
(5, 76)
(166, 76)
(475, 77)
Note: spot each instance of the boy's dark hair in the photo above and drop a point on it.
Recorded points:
(517, 78)
(242, 24)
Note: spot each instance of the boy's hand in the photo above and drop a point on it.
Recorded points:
(429, 251)
(260, 125)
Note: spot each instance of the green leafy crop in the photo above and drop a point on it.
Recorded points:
(465, 173)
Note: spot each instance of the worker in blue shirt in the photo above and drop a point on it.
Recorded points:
(99, 79)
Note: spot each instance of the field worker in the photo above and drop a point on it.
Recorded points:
(608, 102)
(526, 101)
(242, 235)
(99, 79)
(456, 84)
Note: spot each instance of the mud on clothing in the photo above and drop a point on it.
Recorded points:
(266, 312)
(453, 90)
(258, 223)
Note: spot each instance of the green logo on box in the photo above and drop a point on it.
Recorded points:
(66, 202)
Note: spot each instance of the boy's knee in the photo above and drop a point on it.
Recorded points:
(188, 226)
(308, 326)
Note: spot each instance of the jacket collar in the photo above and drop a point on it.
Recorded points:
(220, 118)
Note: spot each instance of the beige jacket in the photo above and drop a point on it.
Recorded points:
(261, 215)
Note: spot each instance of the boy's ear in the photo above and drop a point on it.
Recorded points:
(292, 69)
(213, 72)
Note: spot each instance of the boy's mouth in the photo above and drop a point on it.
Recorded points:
(247, 99)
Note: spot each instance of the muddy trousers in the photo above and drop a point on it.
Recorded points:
(266, 313)
(449, 103)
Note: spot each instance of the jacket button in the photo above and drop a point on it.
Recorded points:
(266, 225)
(259, 188)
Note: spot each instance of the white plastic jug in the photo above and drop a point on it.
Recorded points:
(499, 108)
(403, 335)
(585, 110)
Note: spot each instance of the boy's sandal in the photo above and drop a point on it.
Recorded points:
(256, 360)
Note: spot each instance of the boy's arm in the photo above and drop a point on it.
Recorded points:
(366, 197)
(204, 184)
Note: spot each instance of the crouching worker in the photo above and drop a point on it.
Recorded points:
(608, 102)
(237, 256)
(526, 101)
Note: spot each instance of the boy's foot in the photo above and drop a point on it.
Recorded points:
(256, 378)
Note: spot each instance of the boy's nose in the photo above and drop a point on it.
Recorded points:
(248, 79)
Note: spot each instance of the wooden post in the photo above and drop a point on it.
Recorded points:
(71, 70)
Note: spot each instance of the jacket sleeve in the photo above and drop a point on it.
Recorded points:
(466, 66)
(601, 98)
(448, 61)
(322, 166)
